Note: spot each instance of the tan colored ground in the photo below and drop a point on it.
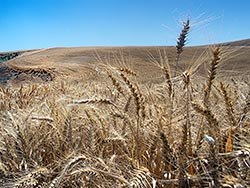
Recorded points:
(87, 62)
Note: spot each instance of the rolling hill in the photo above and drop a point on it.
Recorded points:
(89, 62)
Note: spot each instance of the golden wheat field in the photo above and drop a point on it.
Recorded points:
(141, 117)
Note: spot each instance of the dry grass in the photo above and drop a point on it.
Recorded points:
(181, 132)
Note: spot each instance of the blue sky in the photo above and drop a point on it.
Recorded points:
(29, 24)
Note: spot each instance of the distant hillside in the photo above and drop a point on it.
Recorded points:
(83, 62)
(245, 42)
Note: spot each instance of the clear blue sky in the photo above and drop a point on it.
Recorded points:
(29, 24)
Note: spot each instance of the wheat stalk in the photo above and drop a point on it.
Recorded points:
(57, 181)
(181, 42)
(127, 70)
(168, 154)
(136, 94)
(116, 83)
(213, 122)
(211, 75)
